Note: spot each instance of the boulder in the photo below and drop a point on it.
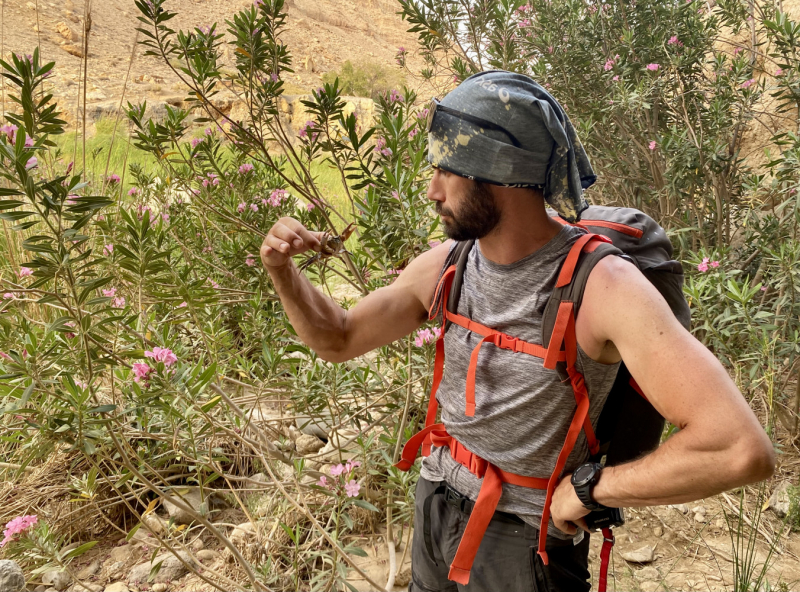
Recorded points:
(307, 444)
(66, 32)
(779, 501)
(11, 577)
(90, 570)
(647, 573)
(57, 579)
(208, 555)
(193, 498)
(242, 535)
(156, 523)
(645, 554)
(161, 587)
(171, 569)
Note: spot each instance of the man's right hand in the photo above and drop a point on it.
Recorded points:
(288, 237)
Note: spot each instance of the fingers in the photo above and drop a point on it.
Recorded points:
(581, 523)
(565, 527)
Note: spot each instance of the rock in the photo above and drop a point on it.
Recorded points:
(699, 510)
(307, 444)
(701, 518)
(96, 95)
(658, 531)
(650, 586)
(403, 578)
(40, 588)
(86, 588)
(197, 544)
(57, 579)
(90, 570)
(208, 555)
(779, 500)
(142, 536)
(73, 50)
(171, 569)
(318, 427)
(160, 587)
(30, 6)
(117, 587)
(121, 554)
(647, 573)
(242, 534)
(156, 523)
(66, 32)
(682, 508)
(644, 554)
(192, 497)
(11, 577)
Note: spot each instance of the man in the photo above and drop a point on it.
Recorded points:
(501, 146)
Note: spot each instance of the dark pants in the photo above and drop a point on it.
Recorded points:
(506, 560)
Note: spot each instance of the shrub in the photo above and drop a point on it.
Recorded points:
(366, 79)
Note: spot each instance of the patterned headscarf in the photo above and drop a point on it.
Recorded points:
(547, 155)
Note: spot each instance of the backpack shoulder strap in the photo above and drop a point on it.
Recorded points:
(573, 290)
(460, 256)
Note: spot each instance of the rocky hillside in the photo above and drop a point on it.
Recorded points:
(321, 35)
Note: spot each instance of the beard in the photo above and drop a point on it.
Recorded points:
(478, 214)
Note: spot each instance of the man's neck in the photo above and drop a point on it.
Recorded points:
(523, 229)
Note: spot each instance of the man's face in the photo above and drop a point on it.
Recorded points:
(468, 209)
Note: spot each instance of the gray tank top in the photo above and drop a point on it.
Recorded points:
(523, 410)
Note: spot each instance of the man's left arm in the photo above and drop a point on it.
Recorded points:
(720, 443)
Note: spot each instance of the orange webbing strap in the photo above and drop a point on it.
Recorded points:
(605, 556)
(568, 268)
(565, 312)
(569, 443)
(411, 448)
(588, 242)
(485, 505)
(433, 404)
(439, 304)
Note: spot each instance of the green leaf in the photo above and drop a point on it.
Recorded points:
(102, 409)
(365, 504)
(78, 551)
(211, 404)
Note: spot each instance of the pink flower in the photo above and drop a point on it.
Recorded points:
(763, 288)
(426, 336)
(737, 50)
(615, 78)
(141, 371)
(250, 261)
(413, 133)
(380, 147)
(245, 168)
(323, 481)
(673, 40)
(608, 65)
(108, 249)
(702, 267)
(337, 470)
(33, 162)
(113, 179)
(351, 465)
(9, 296)
(779, 72)
(352, 488)
(29, 142)
(254, 207)
(25, 272)
(182, 304)
(715, 264)
(10, 131)
(395, 195)
(196, 141)
(277, 197)
(17, 526)
(5, 356)
(652, 145)
(165, 216)
(133, 191)
(164, 355)
(310, 206)
(118, 302)
(748, 83)
(652, 67)
(110, 293)
(241, 207)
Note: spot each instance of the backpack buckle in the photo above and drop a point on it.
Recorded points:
(508, 342)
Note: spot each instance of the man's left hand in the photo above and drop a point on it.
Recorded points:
(566, 509)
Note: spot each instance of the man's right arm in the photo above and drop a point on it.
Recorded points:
(335, 334)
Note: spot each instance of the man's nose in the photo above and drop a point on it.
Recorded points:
(436, 187)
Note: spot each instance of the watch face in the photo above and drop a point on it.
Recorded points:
(582, 474)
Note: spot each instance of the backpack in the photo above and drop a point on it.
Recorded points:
(629, 426)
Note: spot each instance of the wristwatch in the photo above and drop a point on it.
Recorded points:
(583, 480)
